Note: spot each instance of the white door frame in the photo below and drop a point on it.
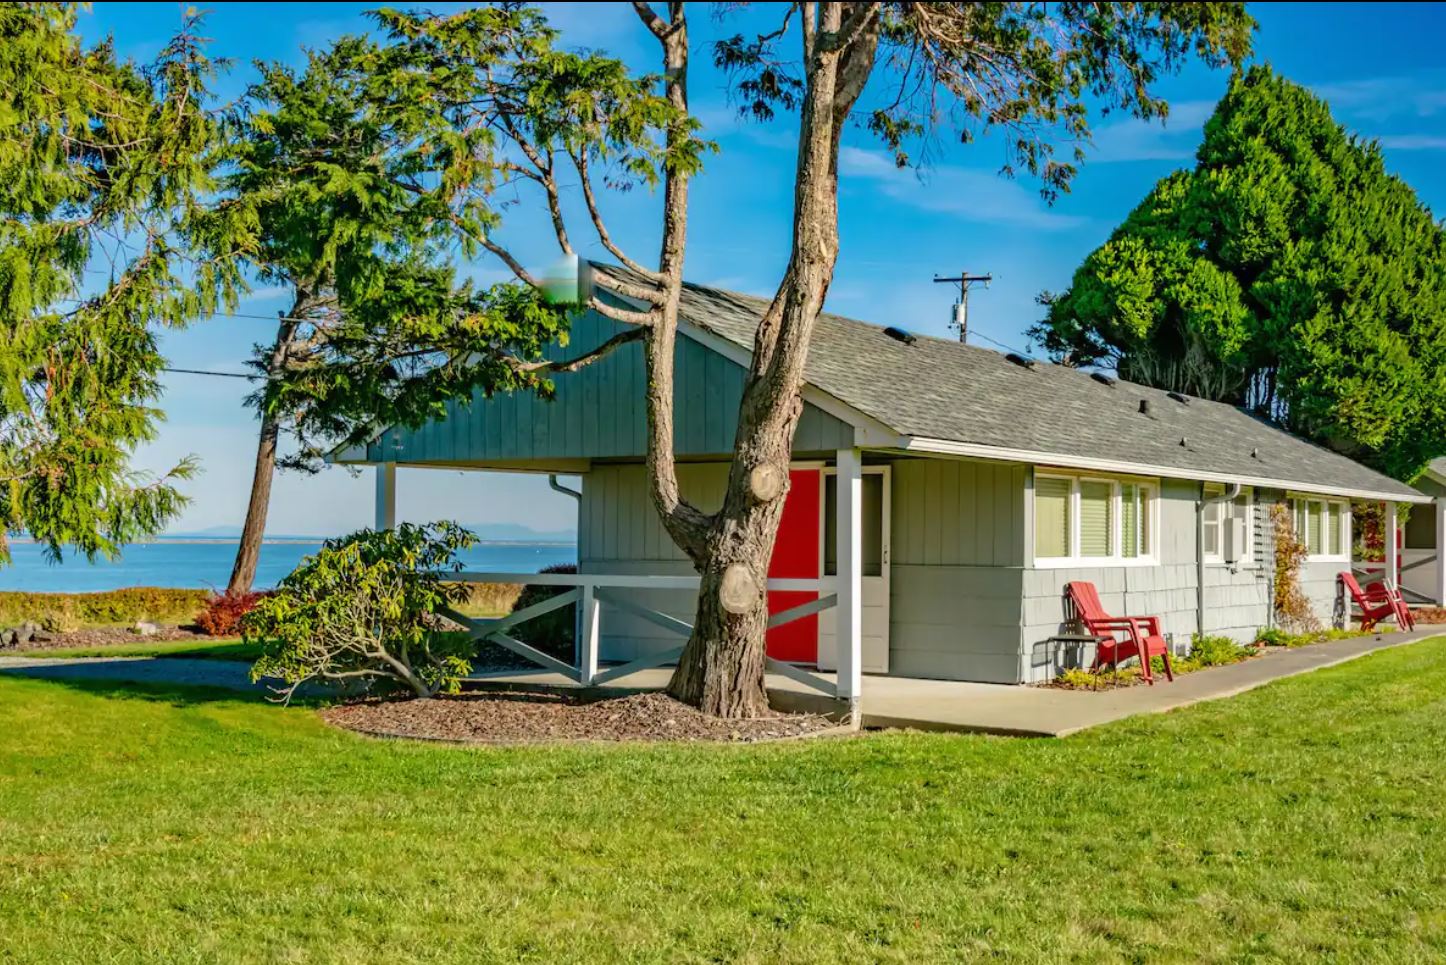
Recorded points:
(881, 584)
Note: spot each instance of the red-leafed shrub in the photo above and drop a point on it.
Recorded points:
(223, 612)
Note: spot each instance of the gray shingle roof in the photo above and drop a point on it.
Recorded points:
(940, 389)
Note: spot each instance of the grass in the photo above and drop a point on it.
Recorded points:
(221, 648)
(1300, 821)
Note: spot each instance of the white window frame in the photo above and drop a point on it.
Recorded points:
(1152, 525)
(1218, 489)
(1311, 520)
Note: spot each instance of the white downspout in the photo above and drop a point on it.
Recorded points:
(1231, 491)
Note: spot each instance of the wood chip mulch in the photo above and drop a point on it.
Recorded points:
(530, 717)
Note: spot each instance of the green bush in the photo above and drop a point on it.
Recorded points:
(1217, 651)
(553, 632)
(1276, 637)
(111, 608)
(360, 613)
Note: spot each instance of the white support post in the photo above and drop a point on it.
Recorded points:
(386, 506)
(591, 608)
(1393, 550)
(1440, 505)
(850, 579)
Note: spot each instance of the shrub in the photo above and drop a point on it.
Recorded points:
(1292, 606)
(553, 632)
(221, 617)
(1217, 651)
(110, 608)
(360, 612)
(1276, 637)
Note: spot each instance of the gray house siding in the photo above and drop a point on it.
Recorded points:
(598, 412)
(964, 603)
(1237, 598)
(956, 565)
(619, 533)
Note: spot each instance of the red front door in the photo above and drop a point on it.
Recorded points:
(795, 556)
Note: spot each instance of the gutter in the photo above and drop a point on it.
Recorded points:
(559, 487)
(1231, 491)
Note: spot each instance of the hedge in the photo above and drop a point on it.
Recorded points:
(158, 604)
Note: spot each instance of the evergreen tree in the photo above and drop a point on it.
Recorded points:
(1288, 272)
(102, 163)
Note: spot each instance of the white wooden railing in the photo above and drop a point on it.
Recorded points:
(591, 591)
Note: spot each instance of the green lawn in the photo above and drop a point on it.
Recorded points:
(220, 649)
(1305, 820)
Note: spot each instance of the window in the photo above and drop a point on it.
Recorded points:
(1323, 525)
(1218, 517)
(1096, 523)
(1086, 520)
(1134, 520)
(1051, 516)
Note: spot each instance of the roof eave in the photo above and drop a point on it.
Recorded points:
(949, 447)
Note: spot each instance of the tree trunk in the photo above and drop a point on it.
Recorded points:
(721, 668)
(248, 552)
(243, 572)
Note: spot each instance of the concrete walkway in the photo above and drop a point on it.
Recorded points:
(887, 702)
(1024, 711)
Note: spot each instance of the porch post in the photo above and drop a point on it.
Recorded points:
(1440, 505)
(850, 578)
(1393, 550)
(591, 608)
(386, 504)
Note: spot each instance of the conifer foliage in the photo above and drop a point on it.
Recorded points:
(1289, 272)
(102, 164)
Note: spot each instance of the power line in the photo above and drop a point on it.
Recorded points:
(224, 375)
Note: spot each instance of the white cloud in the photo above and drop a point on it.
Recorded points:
(1174, 139)
(962, 193)
(1422, 95)
(1413, 142)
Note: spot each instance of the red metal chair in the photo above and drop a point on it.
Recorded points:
(1142, 637)
(1378, 601)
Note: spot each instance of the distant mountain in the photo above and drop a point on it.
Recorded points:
(517, 533)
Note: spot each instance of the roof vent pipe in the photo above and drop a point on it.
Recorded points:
(1144, 407)
(1231, 491)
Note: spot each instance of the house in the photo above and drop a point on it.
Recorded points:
(977, 485)
(1422, 573)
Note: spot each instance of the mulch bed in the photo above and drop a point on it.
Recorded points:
(109, 637)
(531, 717)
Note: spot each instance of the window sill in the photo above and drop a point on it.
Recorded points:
(1092, 562)
(1328, 559)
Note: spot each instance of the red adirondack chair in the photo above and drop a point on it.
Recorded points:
(1378, 601)
(1141, 635)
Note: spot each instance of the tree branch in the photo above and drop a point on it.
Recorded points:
(641, 319)
(580, 361)
(579, 161)
(660, 27)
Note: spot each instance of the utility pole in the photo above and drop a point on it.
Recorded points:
(964, 280)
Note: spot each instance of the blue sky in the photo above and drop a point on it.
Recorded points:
(1379, 65)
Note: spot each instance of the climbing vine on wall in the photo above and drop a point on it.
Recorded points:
(1292, 608)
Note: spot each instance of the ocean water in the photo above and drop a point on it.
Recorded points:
(208, 565)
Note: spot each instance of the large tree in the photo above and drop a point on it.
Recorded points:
(102, 167)
(1288, 272)
(1028, 72)
(360, 176)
